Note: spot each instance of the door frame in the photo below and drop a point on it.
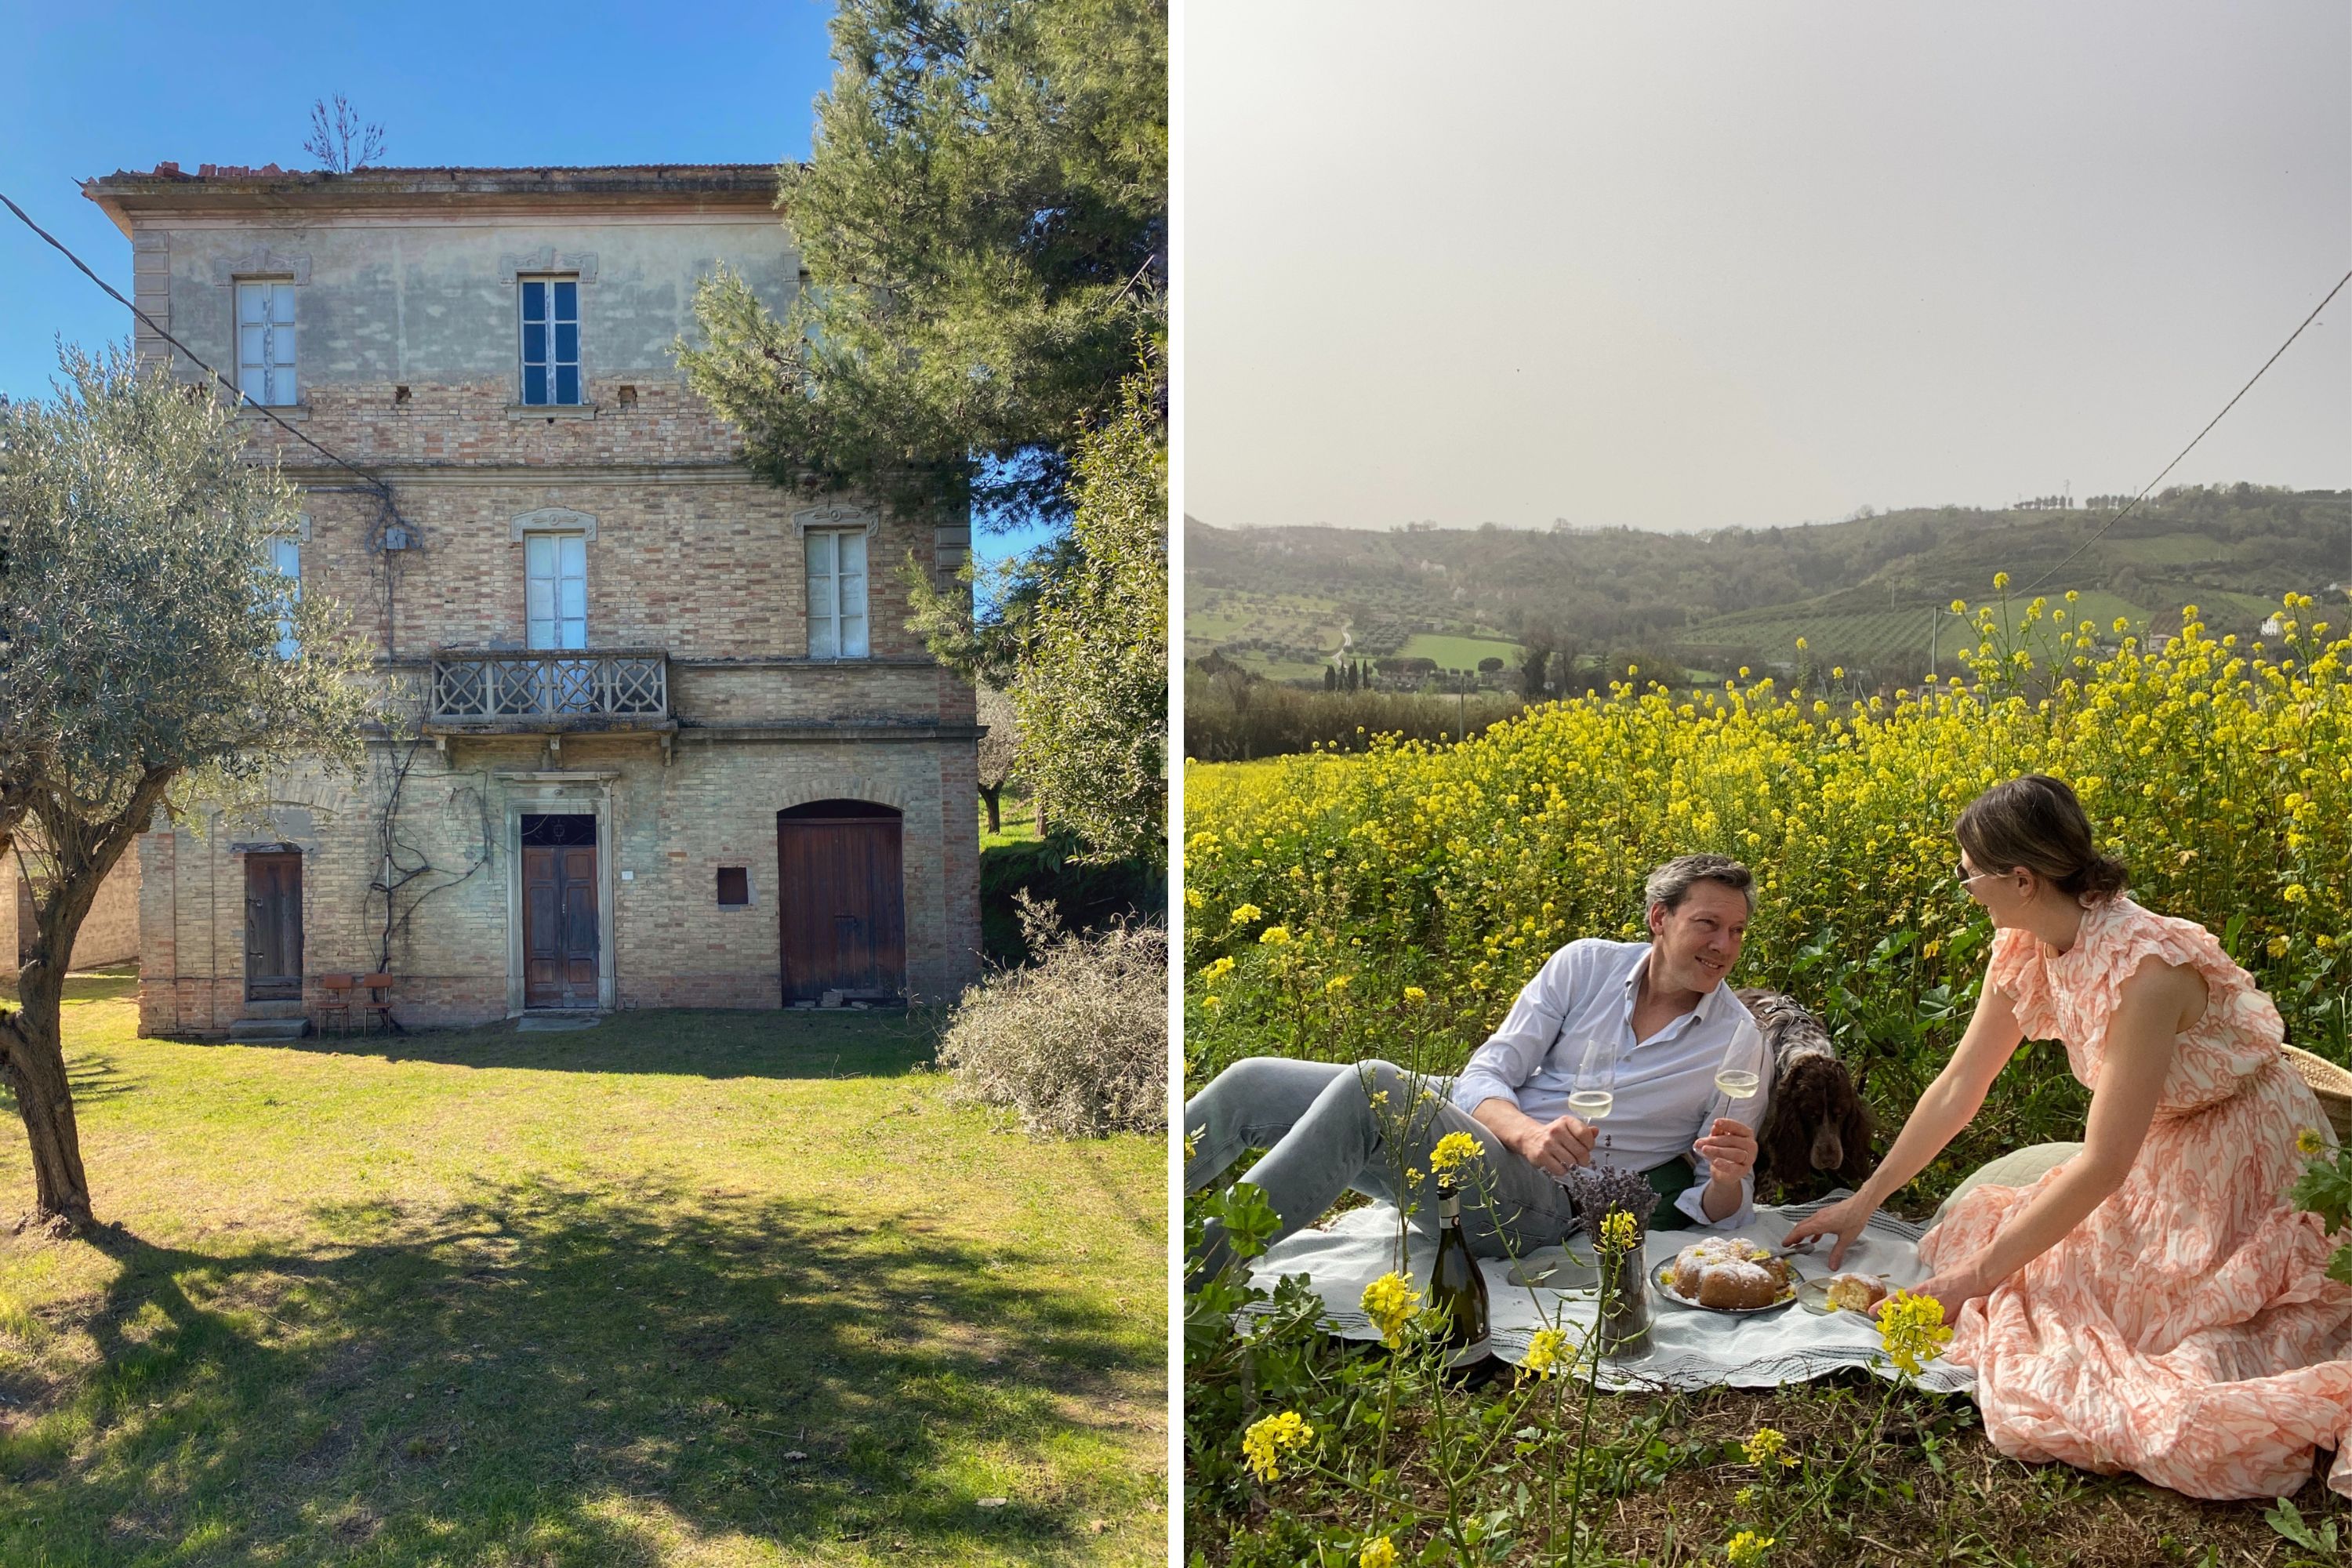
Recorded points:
(882, 811)
(581, 792)
(300, 977)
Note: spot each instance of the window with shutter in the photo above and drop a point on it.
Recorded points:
(551, 339)
(836, 594)
(555, 609)
(265, 341)
(286, 555)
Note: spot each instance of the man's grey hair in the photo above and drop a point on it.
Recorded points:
(1671, 883)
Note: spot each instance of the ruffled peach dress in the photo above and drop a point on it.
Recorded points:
(2186, 1329)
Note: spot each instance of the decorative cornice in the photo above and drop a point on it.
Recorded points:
(550, 520)
(838, 516)
(546, 259)
(262, 261)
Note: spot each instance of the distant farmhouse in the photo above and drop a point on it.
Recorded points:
(655, 734)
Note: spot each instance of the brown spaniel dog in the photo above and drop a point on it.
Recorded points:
(1815, 1122)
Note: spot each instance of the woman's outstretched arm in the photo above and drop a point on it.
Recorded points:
(2152, 1008)
(1943, 1109)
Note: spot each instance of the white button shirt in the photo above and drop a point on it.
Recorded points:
(1666, 1093)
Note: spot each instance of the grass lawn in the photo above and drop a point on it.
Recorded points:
(688, 1287)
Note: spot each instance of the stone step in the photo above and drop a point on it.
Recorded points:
(542, 1022)
(252, 1029)
(291, 1009)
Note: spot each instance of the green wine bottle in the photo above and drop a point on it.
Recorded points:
(1456, 1288)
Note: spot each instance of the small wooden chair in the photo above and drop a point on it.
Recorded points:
(379, 1003)
(335, 1004)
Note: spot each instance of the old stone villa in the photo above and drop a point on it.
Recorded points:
(658, 736)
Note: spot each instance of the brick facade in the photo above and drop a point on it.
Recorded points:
(109, 932)
(406, 304)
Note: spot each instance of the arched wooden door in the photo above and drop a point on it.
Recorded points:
(841, 905)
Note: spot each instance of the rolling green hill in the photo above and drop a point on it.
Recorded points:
(1863, 592)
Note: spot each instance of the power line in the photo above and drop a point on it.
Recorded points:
(2199, 436)
(376, 484)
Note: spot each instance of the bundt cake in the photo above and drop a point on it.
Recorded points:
(1726, 1271)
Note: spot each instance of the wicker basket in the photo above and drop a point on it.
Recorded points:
(2331, 1083)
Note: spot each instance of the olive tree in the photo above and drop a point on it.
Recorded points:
(1000, 751)
(148, 648)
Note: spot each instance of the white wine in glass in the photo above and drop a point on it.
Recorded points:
(1738, 1083)
(1591, 1104)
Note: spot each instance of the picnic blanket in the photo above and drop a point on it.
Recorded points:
(1690, 1348)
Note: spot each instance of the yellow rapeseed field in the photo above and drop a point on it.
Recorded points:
(2221, 772)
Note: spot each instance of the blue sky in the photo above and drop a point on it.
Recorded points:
(88, 89)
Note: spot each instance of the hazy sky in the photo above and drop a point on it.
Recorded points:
(1684, 265)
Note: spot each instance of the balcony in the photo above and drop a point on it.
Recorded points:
(505, 691)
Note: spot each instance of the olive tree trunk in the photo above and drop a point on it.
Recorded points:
(33, 1066)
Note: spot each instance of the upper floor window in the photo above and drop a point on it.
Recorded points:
(265, 340)
(555, 569)
(286, 555)
(551, 339)
(836, 594)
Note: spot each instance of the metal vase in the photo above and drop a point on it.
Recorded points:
(1624, 1323)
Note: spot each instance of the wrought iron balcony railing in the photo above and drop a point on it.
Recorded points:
(548, 688)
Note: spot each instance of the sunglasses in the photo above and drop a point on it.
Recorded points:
(1963, 875)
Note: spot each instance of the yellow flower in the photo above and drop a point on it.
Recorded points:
(2000, 580)
(1745, 1496)
(1210, 1002)
(1801, 644)
(1617, 1231)
(2294, 893)
(1911, 1329)
(1245, 913)
(1415, 994)
(1335, 984)
(1378, 1552)
(1389, 1302)
(1217, 970)
(1960, 606)
(1544, 1347)
(1453, 1152)
(1273, 936)
(1746, 1548)
(2309, 1142)
(1192, 898)
(1765, 1447)
(2276, 947)
(1264, 1444)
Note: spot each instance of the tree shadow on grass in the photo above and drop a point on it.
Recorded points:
(699, 1043)
(546, 1376)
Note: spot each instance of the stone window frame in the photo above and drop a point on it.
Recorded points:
(559, 520)
(263, 265)
(550, 264)
(837, 519)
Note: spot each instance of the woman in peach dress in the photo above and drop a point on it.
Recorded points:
(2155, 1303)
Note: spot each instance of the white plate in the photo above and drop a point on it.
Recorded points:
(1665, 1266)
(1813, 1295)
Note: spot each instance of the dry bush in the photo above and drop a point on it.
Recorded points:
(1076, 1042)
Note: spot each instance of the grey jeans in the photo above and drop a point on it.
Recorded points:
(1324, 1136)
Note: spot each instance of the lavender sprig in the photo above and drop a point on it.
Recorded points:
(1600, 1190)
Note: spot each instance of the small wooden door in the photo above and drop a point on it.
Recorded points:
(841, 902)
(559, 923)
(273, 926)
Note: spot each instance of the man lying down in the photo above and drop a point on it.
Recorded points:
(1663, 1010)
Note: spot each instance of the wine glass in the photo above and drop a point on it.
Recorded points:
(1740, 1076)
(1594, 1089)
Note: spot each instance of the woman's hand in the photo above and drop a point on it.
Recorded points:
(1953, 1288)
(1843, 1219)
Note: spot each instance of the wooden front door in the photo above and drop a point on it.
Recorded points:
(841, 902)
(559, 915)
(273, 926)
